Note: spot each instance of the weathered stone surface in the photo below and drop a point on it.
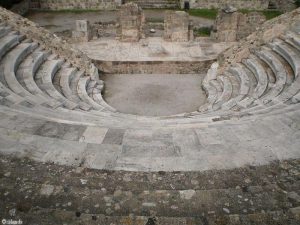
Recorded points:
(231, 25)
(75, 4)
(285, 5)
(176, 26)
(82, 31)
(56, 194)
(263, 34)
(47, 40)
(131, 23)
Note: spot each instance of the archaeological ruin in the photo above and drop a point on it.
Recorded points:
(150, 112)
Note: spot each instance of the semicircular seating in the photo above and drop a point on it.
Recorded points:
(53, 111)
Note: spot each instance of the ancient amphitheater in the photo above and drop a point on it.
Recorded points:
(68, 157)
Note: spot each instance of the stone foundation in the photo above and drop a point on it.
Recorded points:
(153, 67)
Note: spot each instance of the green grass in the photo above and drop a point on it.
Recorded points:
(269, 14)
(204, 13)
(202, 32)
(154, 20)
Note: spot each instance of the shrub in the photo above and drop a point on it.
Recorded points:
(202, 31)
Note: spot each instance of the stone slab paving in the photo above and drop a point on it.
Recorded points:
(216, 146)
(151, 49)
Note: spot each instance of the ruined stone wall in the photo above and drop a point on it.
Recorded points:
(48, 40)
(230, 27)
(131, 21)
(176, 26)
(83, 31)
(154, 67)
(263, 35)
(240, 4)
(75, 4)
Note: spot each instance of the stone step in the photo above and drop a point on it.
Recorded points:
(12, 61)
(239, 72)
(235, 84)
(44, 78)
(253, 64)
(65, 82)
(288, 53)
(96, 95)
(82, 92)
(279, 70)
(226, 94)
(4, 30)
(8, 42)
(293, 39)
(212, 95)
(27, 71)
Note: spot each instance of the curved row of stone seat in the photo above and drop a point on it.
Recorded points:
(269, 76)
(246, 87)
(33, 75)
(134, 148)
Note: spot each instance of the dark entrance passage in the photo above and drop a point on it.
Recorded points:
(186, 5)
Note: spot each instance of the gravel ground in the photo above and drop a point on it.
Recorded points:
(154, 94)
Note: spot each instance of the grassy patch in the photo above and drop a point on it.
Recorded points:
(269, 14)
(154, 20)
(204, 13)
(202, 32)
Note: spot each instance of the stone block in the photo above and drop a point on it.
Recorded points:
(234, 26)
(83, 31)
(131, 22)
(177, 26)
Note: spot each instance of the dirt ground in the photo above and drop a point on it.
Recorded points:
(154, 94)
